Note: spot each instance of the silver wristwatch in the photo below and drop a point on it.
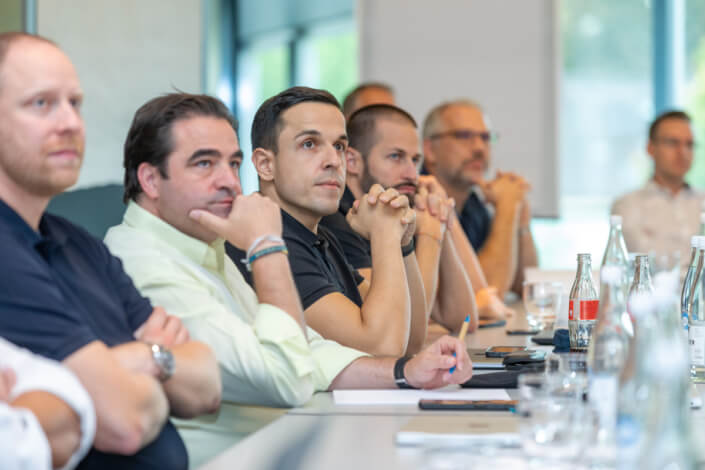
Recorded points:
(164, 360)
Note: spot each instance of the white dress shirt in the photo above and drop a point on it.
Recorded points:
(23, 444)
(656, 220)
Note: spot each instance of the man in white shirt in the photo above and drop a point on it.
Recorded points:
(46, 417)
(663, 215)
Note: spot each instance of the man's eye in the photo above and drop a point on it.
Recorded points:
(340, 147)
(307, 144)
(235, 164)
(394, 156)
(203, 163)
(39, 102)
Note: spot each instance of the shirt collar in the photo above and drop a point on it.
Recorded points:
(48, 231)
(653, 186)
(346, 202)
(296, 229)
(207, 255)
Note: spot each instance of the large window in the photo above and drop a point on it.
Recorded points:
(607, 103)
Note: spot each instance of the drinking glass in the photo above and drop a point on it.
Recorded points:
(542, 302)
(554, 418)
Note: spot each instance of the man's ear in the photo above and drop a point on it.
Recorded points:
(650, 148)
(149, 178)
(264, 162)
(353, 162)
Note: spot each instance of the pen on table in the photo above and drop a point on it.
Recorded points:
(461, 336)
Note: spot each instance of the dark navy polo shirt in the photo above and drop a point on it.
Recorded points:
(357, 250)
(317, 261)
(475, 220)
(61, 289)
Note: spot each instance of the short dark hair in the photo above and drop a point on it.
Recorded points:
(361, 125)
(149, 139)
(672, 114)
(267, 123)
(350, 100)
(9, 38)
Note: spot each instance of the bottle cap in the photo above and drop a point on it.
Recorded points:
(694, 241)
(615, 220)
(701, 242)
(702, 217)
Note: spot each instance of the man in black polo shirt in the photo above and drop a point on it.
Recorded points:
(299, 143)
(63, 295)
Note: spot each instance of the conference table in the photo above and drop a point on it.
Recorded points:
(324, 435)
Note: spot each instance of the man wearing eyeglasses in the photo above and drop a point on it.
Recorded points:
(494, 214)
(664, 214)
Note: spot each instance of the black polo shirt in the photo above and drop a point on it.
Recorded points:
(357, 250)
(475, 220)
(61, 289)
(317, 262)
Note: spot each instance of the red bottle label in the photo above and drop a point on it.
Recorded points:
(587, 310)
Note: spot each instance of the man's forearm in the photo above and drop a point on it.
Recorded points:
(195, 388)
(419, 309)
(498, 256)
(467, 255)
(59, 422)
(456, 298)
(386, 311)
(527, 257)
(274, 284)
(428, 256)
(366, 372)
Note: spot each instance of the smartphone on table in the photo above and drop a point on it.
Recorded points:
(501, 351)
(472, 405)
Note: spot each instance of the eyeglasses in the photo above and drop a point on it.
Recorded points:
(467, 135)
(673, 143)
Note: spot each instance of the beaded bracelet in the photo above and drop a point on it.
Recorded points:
(258, 241)
(263, 252)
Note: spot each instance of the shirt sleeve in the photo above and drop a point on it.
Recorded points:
(35, 373)
(23, 444)
(35, 313)
(330, 358)
(311, 282)
(265, 362)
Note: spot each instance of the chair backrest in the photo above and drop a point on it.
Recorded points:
(96, 209)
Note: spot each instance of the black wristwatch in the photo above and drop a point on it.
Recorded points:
(409, 248)
(164, 360)
(399, 378)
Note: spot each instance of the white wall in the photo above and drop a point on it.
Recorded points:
(126, 52)
(500, 53)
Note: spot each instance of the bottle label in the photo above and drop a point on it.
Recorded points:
(586, 310)
(696, 340)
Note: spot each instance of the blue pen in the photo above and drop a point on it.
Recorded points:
(461, 336)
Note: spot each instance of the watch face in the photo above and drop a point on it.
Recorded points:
(165, 361)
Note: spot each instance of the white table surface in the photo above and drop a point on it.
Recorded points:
(323, 435)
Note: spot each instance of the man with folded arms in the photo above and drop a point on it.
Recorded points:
(299, 142)
(181, 179)
(495, 215)
(63, 296)
(46, 417)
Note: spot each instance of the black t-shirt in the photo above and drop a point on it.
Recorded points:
(357, 249)
(475, 220)
(317, 263)
(61, 289)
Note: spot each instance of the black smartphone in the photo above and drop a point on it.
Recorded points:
(501, 351)
(476, 405)
(524, 332)
(491, 323)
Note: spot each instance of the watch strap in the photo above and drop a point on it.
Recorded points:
(399, 377)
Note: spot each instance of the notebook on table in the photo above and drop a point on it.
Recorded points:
(469, 427)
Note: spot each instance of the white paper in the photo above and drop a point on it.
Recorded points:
(412, 397)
